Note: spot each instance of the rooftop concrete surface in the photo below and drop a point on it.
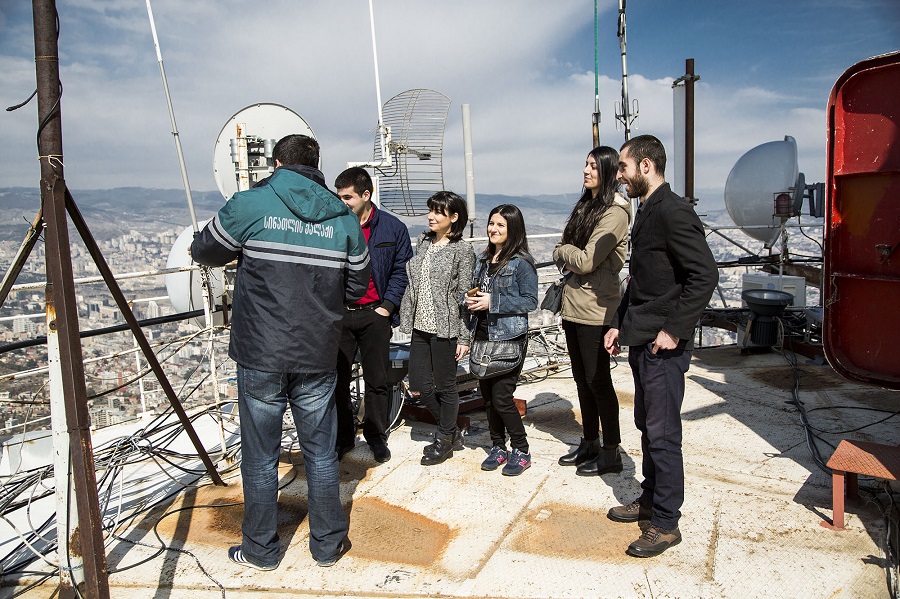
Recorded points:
(751, 524)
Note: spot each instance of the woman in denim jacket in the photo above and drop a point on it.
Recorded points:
(507, 282)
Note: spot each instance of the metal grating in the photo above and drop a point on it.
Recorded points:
(416, 119)
(870, 459)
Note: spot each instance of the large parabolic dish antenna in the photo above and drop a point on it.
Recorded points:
(754, 181)
(184, 288)
(416, 119)
(243, 149)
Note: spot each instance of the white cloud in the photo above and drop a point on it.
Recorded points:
(531, 100)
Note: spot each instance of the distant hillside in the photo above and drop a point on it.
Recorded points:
(109, 212)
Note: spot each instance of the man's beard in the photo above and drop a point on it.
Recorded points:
(638, 186)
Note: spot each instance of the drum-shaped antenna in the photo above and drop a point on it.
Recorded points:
(416, 119)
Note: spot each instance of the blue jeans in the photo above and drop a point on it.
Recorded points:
(262, 400)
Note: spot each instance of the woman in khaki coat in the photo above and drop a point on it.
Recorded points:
(592, 251)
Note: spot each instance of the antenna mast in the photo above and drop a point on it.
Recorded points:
(624, 112)
(384, 133)
(596, 115)
(162, 71)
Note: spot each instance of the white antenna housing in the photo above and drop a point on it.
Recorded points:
(243, 151)
(753, 183)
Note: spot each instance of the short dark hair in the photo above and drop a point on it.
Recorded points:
(354, 177)
(647, 146)
(447, 202)
(297, 149)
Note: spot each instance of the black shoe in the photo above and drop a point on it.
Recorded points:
(586, 450)
(609, 460)
(343, 548)
(343, 449)
(381, 452)
(440, 451)
(653, 541)
(458, 444)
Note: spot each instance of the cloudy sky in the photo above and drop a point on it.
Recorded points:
(526, 68)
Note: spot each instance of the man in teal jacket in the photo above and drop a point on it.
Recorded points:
(301, 257)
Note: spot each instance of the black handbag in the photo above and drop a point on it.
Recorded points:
(552, 301)
(488, 359)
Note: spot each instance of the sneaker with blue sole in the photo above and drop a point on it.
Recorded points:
(496, 458)
(518, 463)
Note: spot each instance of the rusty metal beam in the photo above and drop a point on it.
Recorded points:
(59, 274)
(18, 262)
(138, 333)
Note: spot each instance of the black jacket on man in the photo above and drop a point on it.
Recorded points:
(673, 272)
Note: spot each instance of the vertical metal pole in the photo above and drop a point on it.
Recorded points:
(162, 71)
(470, 166)
(71, 565)
(689, 129)
(595, 119)
(625, 117)
(59, 273)
(382, 134)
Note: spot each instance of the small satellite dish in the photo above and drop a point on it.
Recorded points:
(755, 180)
(184, 288)
(243, 152)
(416, 120)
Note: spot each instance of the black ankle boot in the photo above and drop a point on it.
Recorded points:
(457, 442)
(587, 450)
(609, 460)
(440, 451)
(430, 446)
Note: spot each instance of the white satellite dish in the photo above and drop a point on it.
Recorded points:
(243, 152)
(184, 288)
(756, 178)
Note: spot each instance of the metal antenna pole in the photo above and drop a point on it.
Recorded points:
(67, 369)
(162, 71)
(625, 117)
(596, 116)
(205, 275)
(382, 134)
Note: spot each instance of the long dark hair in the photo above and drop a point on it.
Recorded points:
(447, 203)
(516, 242)
(588, 210)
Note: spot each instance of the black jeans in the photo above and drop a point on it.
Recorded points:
(432, 374)
(590, 368)
(371, 333)
(658, 395)
(502, 414)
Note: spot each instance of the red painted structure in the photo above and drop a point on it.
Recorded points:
(862, 233)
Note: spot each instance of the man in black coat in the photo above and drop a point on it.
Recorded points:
(672, 277)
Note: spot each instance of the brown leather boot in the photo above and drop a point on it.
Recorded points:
(653, 541)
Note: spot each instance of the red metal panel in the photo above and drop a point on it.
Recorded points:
(862, 231)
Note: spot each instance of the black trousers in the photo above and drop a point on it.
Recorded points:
(502, 414)
(432, 374)
(590, 368)
(658, 395)
(370, 332)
